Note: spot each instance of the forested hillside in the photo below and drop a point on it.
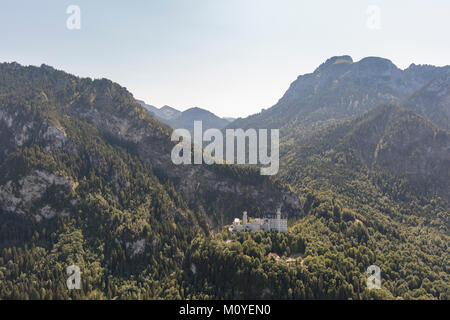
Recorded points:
(86, 179)
(375, 192)
(433, 101)
(378, 180)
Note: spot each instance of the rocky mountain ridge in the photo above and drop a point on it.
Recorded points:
(340, 89)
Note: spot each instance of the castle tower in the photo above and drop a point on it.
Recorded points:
(244, 218)
(278, 220)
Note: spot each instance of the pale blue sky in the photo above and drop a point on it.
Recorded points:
(232, 57)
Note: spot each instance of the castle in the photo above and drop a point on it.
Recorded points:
(265, 224)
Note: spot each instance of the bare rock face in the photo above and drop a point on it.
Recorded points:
(14, 131)
(19, 129)
(55, 137)
(136, 248)
(21, 197)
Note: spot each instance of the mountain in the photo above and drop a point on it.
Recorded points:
(433, 101)
(168, 113)
(164, 114)
(387, 139)
(185, 119)
(108, 114)
(209, 120)
(340, 89)
(152, 109)
(87, 179)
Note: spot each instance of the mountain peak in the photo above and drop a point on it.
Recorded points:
(334, 61)
(194, 110)
(166, 107)
(376, 63)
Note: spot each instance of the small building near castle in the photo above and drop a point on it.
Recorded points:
(265, 224)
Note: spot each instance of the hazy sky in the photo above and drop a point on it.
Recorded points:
(232, 57)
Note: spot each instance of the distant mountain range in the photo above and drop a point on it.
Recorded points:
(185, 119)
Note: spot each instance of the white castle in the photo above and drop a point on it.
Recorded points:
(265, 224)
